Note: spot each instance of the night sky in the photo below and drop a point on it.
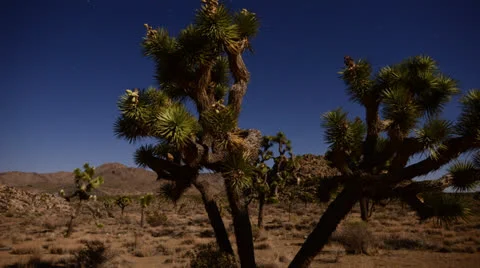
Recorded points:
(64, 63)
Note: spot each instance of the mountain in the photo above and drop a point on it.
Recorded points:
(118, 179)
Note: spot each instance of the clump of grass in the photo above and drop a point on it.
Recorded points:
(145, 251)
(62, 251)
(156, 218)
(25, 251)
(37, 262)
(263, 246)
(356, 238)
(206, 233)
(209, 256)
(52, 223)
(94, 254)
(397, 241)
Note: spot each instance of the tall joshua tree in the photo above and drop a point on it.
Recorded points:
(123, 202)
(270, 179)
(144, 201)
(403, 104)
(204, 65)
(85, 183)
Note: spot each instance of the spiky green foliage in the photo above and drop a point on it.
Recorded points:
(203, 65)
(122, 202)
(146, 200)
(403, 106)
(445, 208)
(403, 103)
(173, 191)
(85, 183)
(465, 174)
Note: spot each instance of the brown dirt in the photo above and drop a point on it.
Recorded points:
(37, 230)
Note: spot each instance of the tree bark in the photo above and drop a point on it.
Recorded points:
(72, 217)
(141, 219)
(215, 218)
(364, 208)
(329, 221)
(261, 206)
(242, 227)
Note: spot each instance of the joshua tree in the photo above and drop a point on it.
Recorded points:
(145, 201)
(109, 203)
(203, 64)
(123, 202)
(270, 179)
(85, 183)
(403, 104)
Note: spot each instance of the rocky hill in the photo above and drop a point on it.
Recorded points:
(118, 179)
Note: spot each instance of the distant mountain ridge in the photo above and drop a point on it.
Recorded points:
(118, 179)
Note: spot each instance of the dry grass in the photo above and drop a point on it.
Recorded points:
(174, 231)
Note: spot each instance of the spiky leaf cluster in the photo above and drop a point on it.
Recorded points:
(85, 183)
(146, 200)
(123, 201)
(403, 104)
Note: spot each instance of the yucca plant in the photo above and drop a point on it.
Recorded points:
(122, 202)
(85, 183)
(270, 180)
(377, 156)
(145, 201)
(202, 64)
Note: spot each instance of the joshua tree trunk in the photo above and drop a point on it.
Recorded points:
(215, 218)
(72, 217)
(261, 205)
(329, 221)
(142, 215)
(243, 228)
(364, 208)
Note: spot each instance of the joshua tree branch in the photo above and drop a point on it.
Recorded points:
(454, 147)
(240, 75)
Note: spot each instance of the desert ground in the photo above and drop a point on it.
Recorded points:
(33, 224)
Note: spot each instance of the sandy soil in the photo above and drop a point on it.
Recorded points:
(397, 239)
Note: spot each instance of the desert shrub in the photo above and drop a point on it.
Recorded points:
(36, 261)
(209, 256)
(356, 238)
(156, 218)
(396, 242)
(52, 223)
(94, 254)
(61, 251)
(9, 214)
(263, 246)
(145, 251)
(206, 233)
(25, 251)
(163, 232)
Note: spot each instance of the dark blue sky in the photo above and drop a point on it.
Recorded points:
(63, 64)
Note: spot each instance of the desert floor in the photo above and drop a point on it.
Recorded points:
(394, 236)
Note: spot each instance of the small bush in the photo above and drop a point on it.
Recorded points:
(36, 261)
(209, 256)
(356, 238)
(156, 218)
(25, 251)
(94, 254)
(396, 242)
(206, 233)
(263, 246)
(145, 251)
(9, 214)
